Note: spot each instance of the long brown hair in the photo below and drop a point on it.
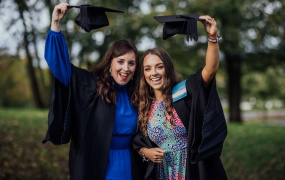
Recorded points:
(105, 83)
(146, 96)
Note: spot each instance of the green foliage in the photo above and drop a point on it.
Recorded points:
(264, 86)
(251, 151)
(252, 31)
(14, 83)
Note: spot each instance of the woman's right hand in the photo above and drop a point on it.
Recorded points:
(58, 13)
(156, 155)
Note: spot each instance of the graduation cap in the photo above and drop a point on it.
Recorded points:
(92, 17)
(180, 24)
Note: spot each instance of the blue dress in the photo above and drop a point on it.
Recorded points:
(119, 163)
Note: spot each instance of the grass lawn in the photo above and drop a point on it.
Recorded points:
(22, 155)
(252, 151)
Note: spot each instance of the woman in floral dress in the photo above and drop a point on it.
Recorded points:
(182, 125)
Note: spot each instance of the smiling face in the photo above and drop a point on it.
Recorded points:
(123, 68)
(154, 72)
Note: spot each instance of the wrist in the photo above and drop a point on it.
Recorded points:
(55, 25)
(141, 152)
(213, 36)
(55, 21)
(215, 40)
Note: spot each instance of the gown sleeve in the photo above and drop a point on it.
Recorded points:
(207, 126)
(56, 55)
(71, 84)
(140, 141)
(67, 104)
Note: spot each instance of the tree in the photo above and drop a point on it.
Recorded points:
(22, 7)
(246, 41)
(252, 34)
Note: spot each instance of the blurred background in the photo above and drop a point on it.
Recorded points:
(250, 80)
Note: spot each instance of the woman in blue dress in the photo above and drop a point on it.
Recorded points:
(95, 110)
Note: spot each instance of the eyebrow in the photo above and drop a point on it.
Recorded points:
(155, 65)
(124, 59)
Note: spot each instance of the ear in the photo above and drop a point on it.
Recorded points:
(110, 71)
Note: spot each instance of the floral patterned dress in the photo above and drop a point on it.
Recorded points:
(172, 139)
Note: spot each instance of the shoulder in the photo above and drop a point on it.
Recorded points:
(188, 86)
(83, 77)
(179, 91)
(194, 82)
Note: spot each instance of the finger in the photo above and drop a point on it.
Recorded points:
(66, 6)
(159, 154)
(207, 18)
(210, 20)
(160, 150)
(64, 3)
(63, 7)
(59, 8)
(209, 23)
(158, 160)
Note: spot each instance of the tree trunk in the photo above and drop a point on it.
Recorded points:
(31, 72)
(41, 74)
(32, 75)
(234, 88)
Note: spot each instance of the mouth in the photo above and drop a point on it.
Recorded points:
(124, 76)
(156, 80)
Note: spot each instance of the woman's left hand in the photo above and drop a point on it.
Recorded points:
(210, 26)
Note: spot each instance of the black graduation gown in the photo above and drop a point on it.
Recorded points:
(202, 115)
(75, 113)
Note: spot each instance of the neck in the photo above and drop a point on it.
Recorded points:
(158, 95)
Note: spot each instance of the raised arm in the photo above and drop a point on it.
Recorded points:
(58, 14)
(56, 51)
(212, 56)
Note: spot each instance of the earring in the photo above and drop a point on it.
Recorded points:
(110, 71)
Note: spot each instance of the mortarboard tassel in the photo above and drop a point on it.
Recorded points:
(84, 20)
(191, 29)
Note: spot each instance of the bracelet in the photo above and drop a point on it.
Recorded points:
(219, 38)
(145, 159)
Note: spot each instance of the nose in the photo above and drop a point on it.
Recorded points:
(126, 67)
(153, 71)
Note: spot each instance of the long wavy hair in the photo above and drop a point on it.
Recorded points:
(105, 82)
(146, 96)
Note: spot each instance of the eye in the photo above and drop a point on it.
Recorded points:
(160, 67)
(132, 63)
(120, 61)
(146, 69)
